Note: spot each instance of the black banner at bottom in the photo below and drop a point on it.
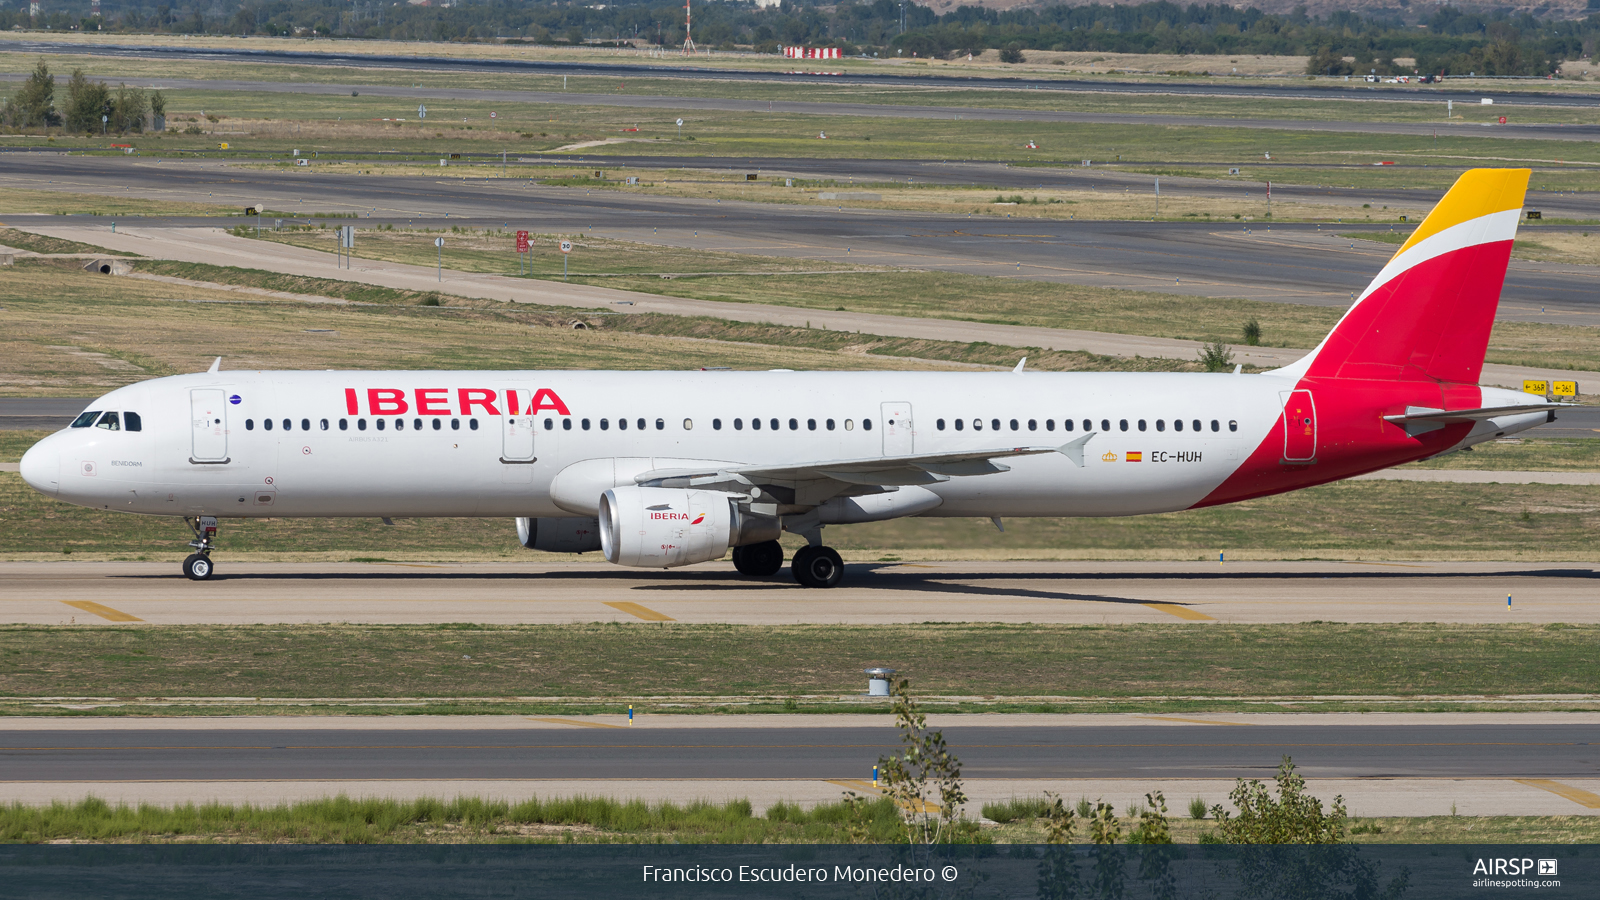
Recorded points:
(813, 872)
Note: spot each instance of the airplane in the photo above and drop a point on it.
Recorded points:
(670, 468)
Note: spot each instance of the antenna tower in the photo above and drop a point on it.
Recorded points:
(688, 24)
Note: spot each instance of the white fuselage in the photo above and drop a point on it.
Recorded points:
(339, 444)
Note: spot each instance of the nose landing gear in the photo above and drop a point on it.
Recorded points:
(197, 566)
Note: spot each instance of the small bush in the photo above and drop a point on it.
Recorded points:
(1252, 332)
(1216, 357)
(1016, 808)
(1197, 808)
(1012, 53)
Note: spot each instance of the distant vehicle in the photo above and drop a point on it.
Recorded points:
(664, 469)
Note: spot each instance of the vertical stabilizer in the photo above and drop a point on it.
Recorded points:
(1428, 314)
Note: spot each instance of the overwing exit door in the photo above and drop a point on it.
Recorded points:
(208, 422)
(1299, 427)
(517, 440)
(899, 432)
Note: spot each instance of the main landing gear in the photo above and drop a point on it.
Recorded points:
(813, 566)
(197, 566)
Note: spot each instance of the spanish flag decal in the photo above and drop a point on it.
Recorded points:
(1135, 456)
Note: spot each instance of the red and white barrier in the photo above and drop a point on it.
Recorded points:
(811, 52)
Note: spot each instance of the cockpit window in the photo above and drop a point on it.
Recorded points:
(109, 422)
(85, 419)
(132, 422)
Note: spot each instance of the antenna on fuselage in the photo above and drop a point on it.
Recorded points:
(216, 365)
(1018, 369)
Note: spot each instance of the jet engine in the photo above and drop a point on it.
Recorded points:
(656, 527)
(563, 535)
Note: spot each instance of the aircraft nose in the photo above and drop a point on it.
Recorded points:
(41, 468)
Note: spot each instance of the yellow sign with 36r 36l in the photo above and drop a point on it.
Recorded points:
(1565, 389)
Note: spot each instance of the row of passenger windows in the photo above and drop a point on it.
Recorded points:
(361, 424)
(131, 419)
(108, 421)
(1088, 425)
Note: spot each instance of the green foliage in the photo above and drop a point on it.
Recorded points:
(1059, 823)
(1153, 827)
(1294, 818)
(1197, 808)
(1012, 53)
(1103, 825)
(1252, 332)
(33, 105)
(1216, 357)
(1017, 808)
(924, 779)
(87, 101)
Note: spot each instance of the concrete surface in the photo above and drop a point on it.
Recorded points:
(1027, 591)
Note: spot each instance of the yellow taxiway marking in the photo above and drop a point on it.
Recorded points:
(859, 784)
(1354, 562)
(104, 612)
(1182, 612)
(1191, 721)
(643, 612)
(1576, 795)
(578, 722)
(412, 565)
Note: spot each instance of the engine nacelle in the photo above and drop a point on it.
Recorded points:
(563, 535)
(665, 527)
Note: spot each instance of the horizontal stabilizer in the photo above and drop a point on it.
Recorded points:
(1421, 419)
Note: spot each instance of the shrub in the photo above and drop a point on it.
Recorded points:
(1216, 357)
(1252, 332)
(1294, 818)
(1012, 53)
(1197, 808)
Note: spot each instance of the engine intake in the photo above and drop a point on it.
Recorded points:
(666, 527)
(563, 535)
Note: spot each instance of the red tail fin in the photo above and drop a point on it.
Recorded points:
(1428, 314)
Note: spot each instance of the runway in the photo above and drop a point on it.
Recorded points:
(1384, 765)
(1292, 264)
(1354, 90)
(1041, 591)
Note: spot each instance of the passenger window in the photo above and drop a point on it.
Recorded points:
(994, 424)
(849, 424)
(473, 424)
(85, 419)
(1033, 424)
(622, 424)
(716, 424)
(249, 425)
(738, 424)
(305, 424)
(811, 424)
(1215, 426)
(977, 424)
(1123, 424)
(1066, 424)
(866, 424)
(794, 425)
(549, 424)
(605, 424)
(324, 424)
(455, 424)
(344, 424)
(566, 424)
(416, 424)
(438, 425)
(380, 423)
(399, 424)
(267, 424)
(1196, 424)
(361, 424)
(640, 424)
(661, 424)
(109, 422)
(1015, 425)
(939, 424)
(132, 422)
(288, 425)
(688, 424)
(829, 423)
(1141, 425)
(1233, 424)
(755, 424)
(1177, 425)
(960, 424)
(1161, 424)
(773, 423)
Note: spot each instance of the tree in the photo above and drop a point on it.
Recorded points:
(32, 106)
(1327, 62)
(1294, 818)
(1216, 357)
(924, 780)
(1012, 53)
(87, 101)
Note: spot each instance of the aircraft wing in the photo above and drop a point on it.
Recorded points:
(879, 471)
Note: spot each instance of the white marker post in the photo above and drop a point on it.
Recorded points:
(566, 250)
(680, 129)
(439, 242)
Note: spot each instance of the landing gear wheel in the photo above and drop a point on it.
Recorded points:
(197, 567)
(817, 567)
(759, 560)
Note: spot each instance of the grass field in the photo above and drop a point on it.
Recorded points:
(343, 820)
(606, 666)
